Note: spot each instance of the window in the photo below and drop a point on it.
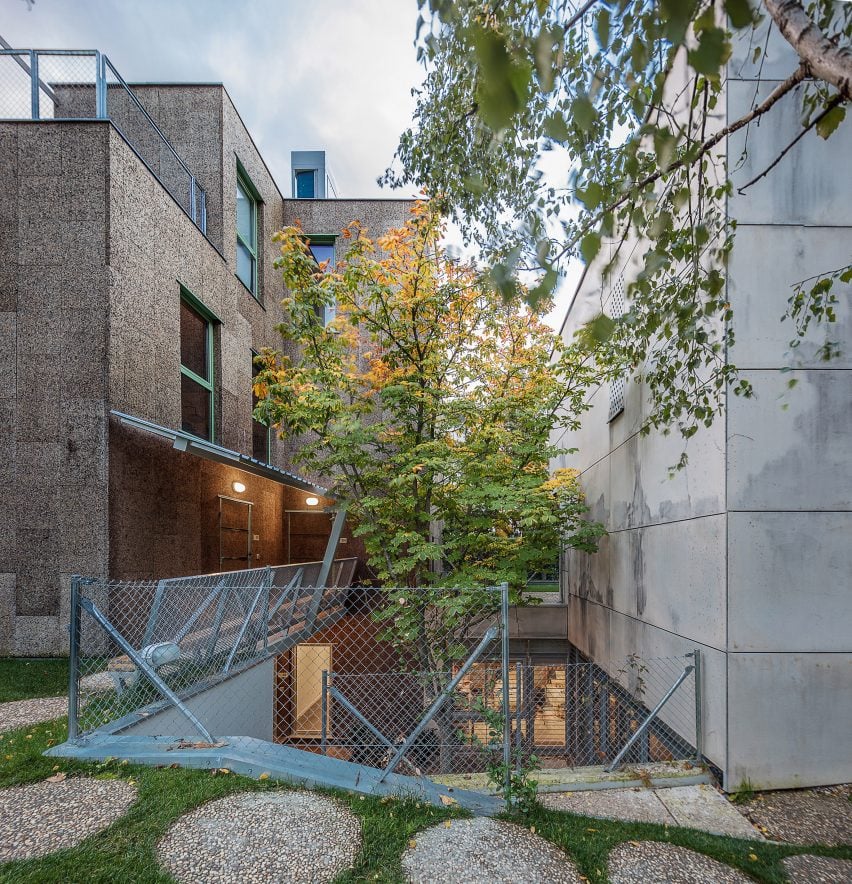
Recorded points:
(196, 368)
(261, 434)
(247, 202)
(309, 661)
(322, 248)
(305, 184)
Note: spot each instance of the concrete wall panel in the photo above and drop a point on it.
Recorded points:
(808, 185)
(789, 578)
(238, 707)
(789, 449)
(790, 720)
(766, 262)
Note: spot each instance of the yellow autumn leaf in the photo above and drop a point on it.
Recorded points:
(447, 801)
(411, 844)
(264, 776)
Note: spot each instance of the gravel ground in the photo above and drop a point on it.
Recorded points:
(259, 838)
(806, 869)
(803, 816)
(43, 817)
(23, 713)
(485, 851)
(640, 862)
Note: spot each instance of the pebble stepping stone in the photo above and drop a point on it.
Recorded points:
(43, 817)
(23, 713)
(807, 869)
(803, 816)
(484, 851)
(262, 837)
(642, 862)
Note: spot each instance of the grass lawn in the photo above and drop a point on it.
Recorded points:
(33, 677)
(126, 852)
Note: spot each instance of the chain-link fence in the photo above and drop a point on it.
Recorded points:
(38, 84)
(404, 681)
(578, 712)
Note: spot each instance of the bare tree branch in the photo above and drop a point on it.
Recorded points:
(825, 61)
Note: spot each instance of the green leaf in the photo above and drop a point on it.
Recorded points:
(665, 145)
(590, 245)
(556, 128)
(713, 50)
(583, 112)
(601, 328)
(497, 91)
(676, 16)
(602, 25)
(827, 125)
(740, 13)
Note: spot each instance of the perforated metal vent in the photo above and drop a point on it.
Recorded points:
(616, 388)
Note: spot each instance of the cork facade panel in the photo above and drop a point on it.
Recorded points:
(53, 369)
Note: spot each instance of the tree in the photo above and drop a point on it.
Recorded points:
(428, 403)
(622, 93)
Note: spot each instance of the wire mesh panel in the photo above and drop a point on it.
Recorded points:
(15, 86)
(584, 713)
(141, 644)
(388, 685)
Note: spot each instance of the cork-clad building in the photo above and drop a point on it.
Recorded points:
(136, 285)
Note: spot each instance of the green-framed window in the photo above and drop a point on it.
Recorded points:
(261, 434)
(247, 214)
(322, 248)
(196, 367)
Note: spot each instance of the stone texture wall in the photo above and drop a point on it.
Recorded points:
(93, 254)
(745, 553)
(53, 367)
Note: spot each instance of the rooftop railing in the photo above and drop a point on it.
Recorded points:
(82, 84)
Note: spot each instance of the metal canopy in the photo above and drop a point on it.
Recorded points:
(193, 445)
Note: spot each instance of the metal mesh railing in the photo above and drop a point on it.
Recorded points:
(409, 681)
(83, 84)
(574, 714)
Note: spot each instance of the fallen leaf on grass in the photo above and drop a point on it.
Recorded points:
(447, 801)
(447, 823)
(753, 857)
(412, 844)
(264, 776)
(57, 778)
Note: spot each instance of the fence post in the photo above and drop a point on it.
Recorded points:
(34, 96)
(699, 716)
(504, 661)
(325, 712)
(518, 677)
(74, 659)
(100, 87)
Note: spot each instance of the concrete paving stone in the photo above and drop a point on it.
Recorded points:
(275, 836)
(642, 862)
(23, 713)
(634, 805)
(35, 819)
(702, 807)
(803, 816)
(484, 851)
(807, 869)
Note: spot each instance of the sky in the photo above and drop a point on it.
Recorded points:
(318, 75)
(333, 75)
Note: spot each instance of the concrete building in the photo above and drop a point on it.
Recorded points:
(136, 283)
(746, 553)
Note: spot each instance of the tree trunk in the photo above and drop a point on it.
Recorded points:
(825, 61)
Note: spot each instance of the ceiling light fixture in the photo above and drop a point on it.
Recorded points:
(238, 487)
(311, 501)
